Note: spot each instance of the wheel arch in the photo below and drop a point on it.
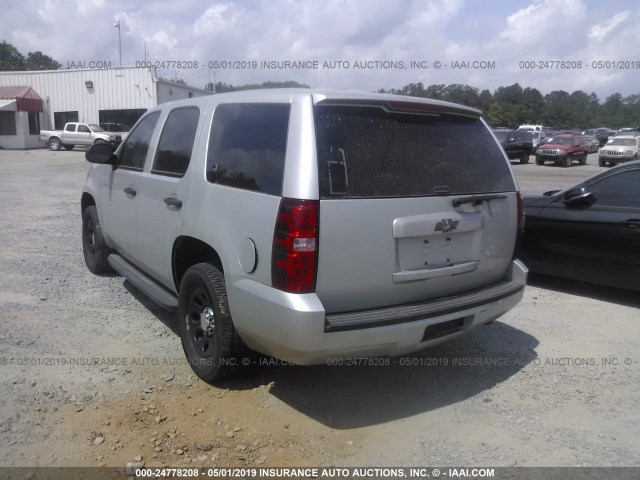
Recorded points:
(87, 200)
(188, 251)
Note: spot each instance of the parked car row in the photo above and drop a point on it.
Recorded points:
(565, 148)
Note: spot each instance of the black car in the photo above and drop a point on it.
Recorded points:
(602, 134)
(590, 232)
(518, 144)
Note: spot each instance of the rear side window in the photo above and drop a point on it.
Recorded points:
(247, 146)
(176, 142)
(83, 129)
(367, 152)
(134, 151)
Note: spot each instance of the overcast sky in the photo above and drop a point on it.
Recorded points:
(505, 32)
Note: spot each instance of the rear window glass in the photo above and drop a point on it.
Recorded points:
(247, 146)
(366, 152)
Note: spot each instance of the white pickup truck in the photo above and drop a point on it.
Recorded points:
(75, 133)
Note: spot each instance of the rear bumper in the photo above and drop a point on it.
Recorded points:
(296, 329)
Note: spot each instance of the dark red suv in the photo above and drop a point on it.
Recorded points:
(563, 150)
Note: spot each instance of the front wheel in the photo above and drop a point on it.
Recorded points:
(539, 161)
(93, 245)
(524, 158)
(210, 342)
(54, 144)
(565, 162)
(602, 163)
(583, 160)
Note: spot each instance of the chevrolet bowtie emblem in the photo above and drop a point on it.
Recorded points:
(447, 225)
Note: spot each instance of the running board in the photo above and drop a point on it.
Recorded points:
(142, 282)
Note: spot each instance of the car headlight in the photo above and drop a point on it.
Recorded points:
(629, 153)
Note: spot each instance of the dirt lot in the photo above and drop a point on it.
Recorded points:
(91, 373)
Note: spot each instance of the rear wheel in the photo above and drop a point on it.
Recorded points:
(93, 245)
(54, 144)
(210, 342)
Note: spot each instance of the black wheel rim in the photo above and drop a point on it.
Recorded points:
(200, 322)
(90, 236)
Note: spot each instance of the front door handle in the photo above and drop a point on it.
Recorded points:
(633, 223)
(130, 191)
(173, 202)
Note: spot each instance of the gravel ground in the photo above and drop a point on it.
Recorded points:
(92, 373)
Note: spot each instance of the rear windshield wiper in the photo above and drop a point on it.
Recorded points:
(477, 199)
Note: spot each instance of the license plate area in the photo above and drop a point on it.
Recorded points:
(438, 244)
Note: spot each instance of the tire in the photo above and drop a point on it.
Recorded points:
(210, 342)
(524, 158)
(54, 144)
(93, 245)
(539, 161)
(583, 160)
(98, 141)
(565, 162)
(602, 163)
(68, 147)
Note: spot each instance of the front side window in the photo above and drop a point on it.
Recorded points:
(247, 146)
(176, 142)
(369, 152)
(134, 151)
(619, 190)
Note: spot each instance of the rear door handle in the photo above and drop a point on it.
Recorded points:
(130, 191)
(173, 202)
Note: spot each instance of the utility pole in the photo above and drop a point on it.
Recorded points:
(117, 25)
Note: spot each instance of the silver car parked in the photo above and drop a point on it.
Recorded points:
(309, 225)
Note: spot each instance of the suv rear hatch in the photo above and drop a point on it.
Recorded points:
(417, 202)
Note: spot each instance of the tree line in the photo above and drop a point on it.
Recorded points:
(513, 105)
(507, 106)
(12, 60)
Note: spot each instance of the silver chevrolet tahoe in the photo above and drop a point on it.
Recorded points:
(308, 225)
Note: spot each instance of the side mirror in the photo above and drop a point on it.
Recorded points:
(578, 196)
(101, 153)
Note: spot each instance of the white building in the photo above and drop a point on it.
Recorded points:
(117, 95)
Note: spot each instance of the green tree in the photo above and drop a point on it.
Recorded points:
(40, 61)
(462, 94)
(10, 57)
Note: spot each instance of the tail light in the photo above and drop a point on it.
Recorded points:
(294, 259)
(520, 231)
